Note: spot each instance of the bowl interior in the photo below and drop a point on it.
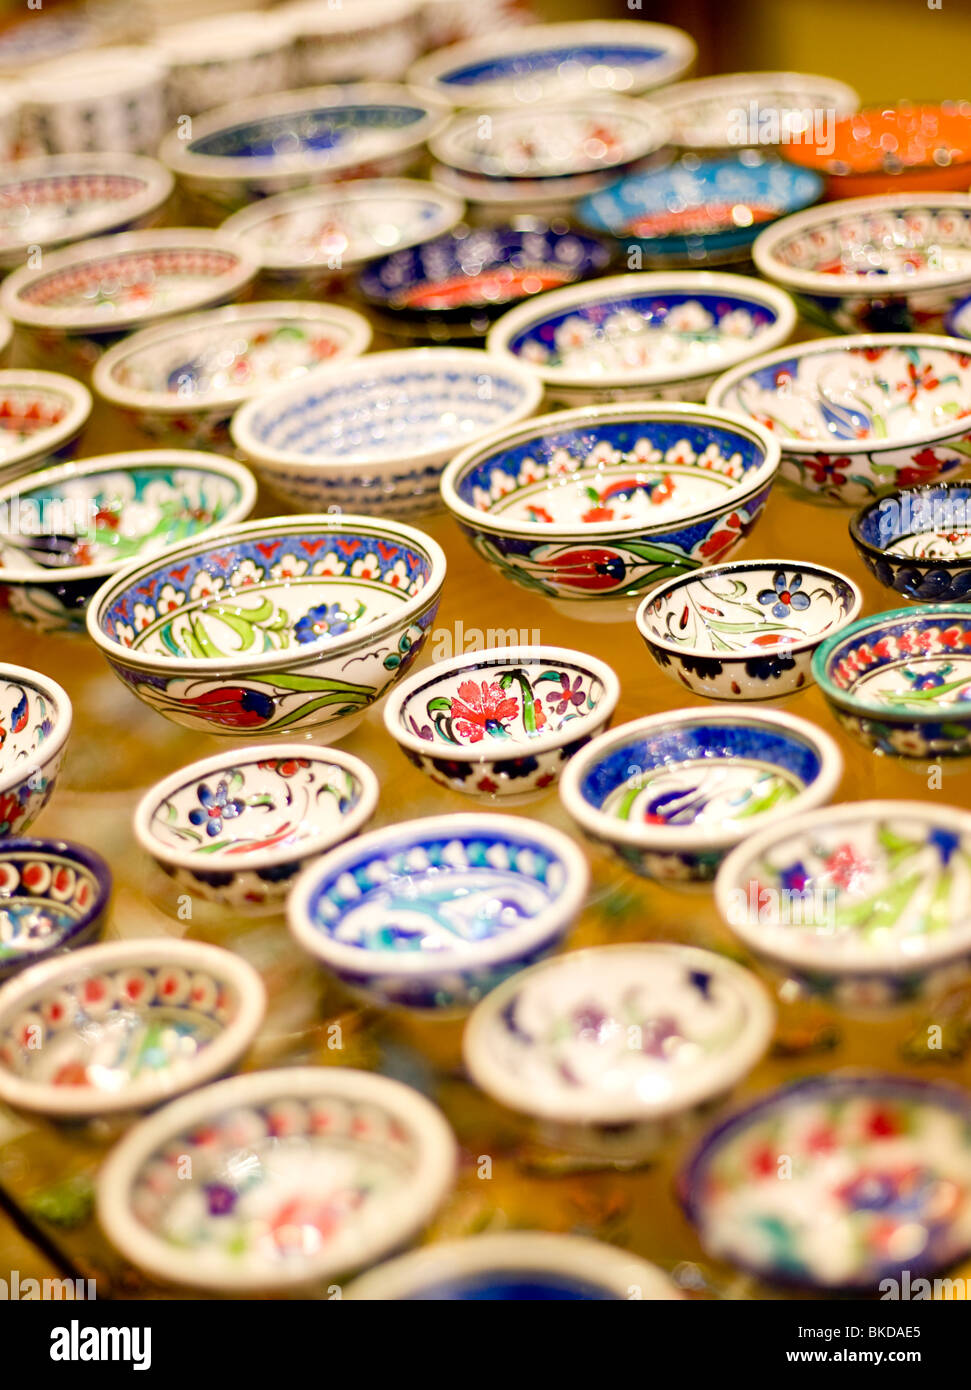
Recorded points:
(32, 417)
(512, 1285)
(317, 131)
(914, 663)
(43, 207)
(46, 898)
(874, 243)
(927, 523)
(28, 717)
(706, 113)
(531, 144)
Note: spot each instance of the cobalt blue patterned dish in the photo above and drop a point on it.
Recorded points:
(432, 914)
(672, 793)
(275, 627)
(35, 721)
(53, 896)
(917, 541)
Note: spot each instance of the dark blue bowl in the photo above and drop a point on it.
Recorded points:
(53, 895)
(902, 538)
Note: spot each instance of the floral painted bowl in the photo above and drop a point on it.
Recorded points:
(35, 721)
(855, 414)
(669, 795)
(741, 110)
(181, 381)
(237, 828)
(120, 1027)
(873, 265)
(616, 1051)
(865, 905)
(374, 435)
(746, 630)
(878, 1177)
(900, 681)
(53, 896)
(42, 415)
(279, 627)
(109, 511)
(594, 507)
(298, 1175)
(431, 914)
(642, 336)
(500, 724)
(917, 541)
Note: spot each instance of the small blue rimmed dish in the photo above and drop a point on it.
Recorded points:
(917, 541)
(53, 895)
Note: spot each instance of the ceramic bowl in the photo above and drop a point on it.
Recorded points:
(873, 265)
(616, 1051)
(865, 905)
(499, 724)
(880, 1174)
(374, 435)
(181, 381)
(100, 99)
(106, 512)
(53, 896)
(237, 828)
(212, 59)
(638, 337)
(746, 630)
(378, 40)
(299, 1175)
(120, 1027)
(669, 795)
(741, 110)
(42, 415)
(35, 721)
(277, 627)
(432, 914)
(900, 681)
(917, 541)
(85, 297)
(594, 507)
(855, 414)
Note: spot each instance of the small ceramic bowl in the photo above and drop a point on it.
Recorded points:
(638, 337)
(276, 627)
(64, 530)
(431, 914)
(374, 435)
(378, 40)
(873, 265)
(237, 828)
(917, 541)
(900, 681)
(120, 1027)
(35, 721)
(854, 414)
(499, 724)
(746, 630)
(616, 1051)
(865, 905)
(671, 794)
(110, 98)
(53, 896)
(212, 59)
(42, 415)
(740, 110)
(182, 380)
(878, 1192)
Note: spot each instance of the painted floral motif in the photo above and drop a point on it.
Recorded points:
(720, 793)
(26, 415)
(27, 720)
(909, 667)
(135, 283)
(509, 707)
(539, 144)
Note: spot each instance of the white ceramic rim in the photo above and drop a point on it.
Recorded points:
(48, 440)
(216, 1057)
(54, 743)
(94, 73)
(843, 98)
(222, 38)
(414, 1206)
(523, 196)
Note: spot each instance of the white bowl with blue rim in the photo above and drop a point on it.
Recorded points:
(35, 722)
(916, 540)
(53, 897)
(431, 914)
(672, 793)
(752, 109)
(42, 415)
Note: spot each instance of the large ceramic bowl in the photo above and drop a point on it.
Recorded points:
(53, 896)
(64, 530)
(432, 914)
(35, 721)
(298, 1175)
(670, 794)
(277, 627)
(917, 541)
(600, 505)
(638, 337)
(856, 414)
(42, 415)
(182, 380)
(740, 110)
(374, 435)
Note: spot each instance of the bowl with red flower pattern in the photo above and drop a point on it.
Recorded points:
(35, 721)
(53, 897)
(42, 415)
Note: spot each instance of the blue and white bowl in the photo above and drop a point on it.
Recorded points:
(432, 914)
(53, 897)
(35, 721)
(917, 541)
(42, 415)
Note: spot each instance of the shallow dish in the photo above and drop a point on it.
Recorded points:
(746, 630)
(35, 721)
(917, 541)
(42, 415)
(53, 896)
(747, 109)
(672, 793)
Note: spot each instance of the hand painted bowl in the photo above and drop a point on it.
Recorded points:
(669, 795)
(53, 896)
(873, 265)
(299, 1175)
(600, 505)
(865, 905)
(854, 414)
(900, 681)
(237, 828)
(639, 337)
(35, 721)
(741, 110)
(277, 627)
(111, 510)
(431, 914)
(500, 724)
(181, 381)
(917, 541)
(878, 1176)
(378, 39)
(374, 435)
(616, 1051)
(100, 98)
(746, 630)
(214, 58)
(42, 415)
(120, 1027)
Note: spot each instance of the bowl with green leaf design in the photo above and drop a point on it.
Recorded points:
(286, 627)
